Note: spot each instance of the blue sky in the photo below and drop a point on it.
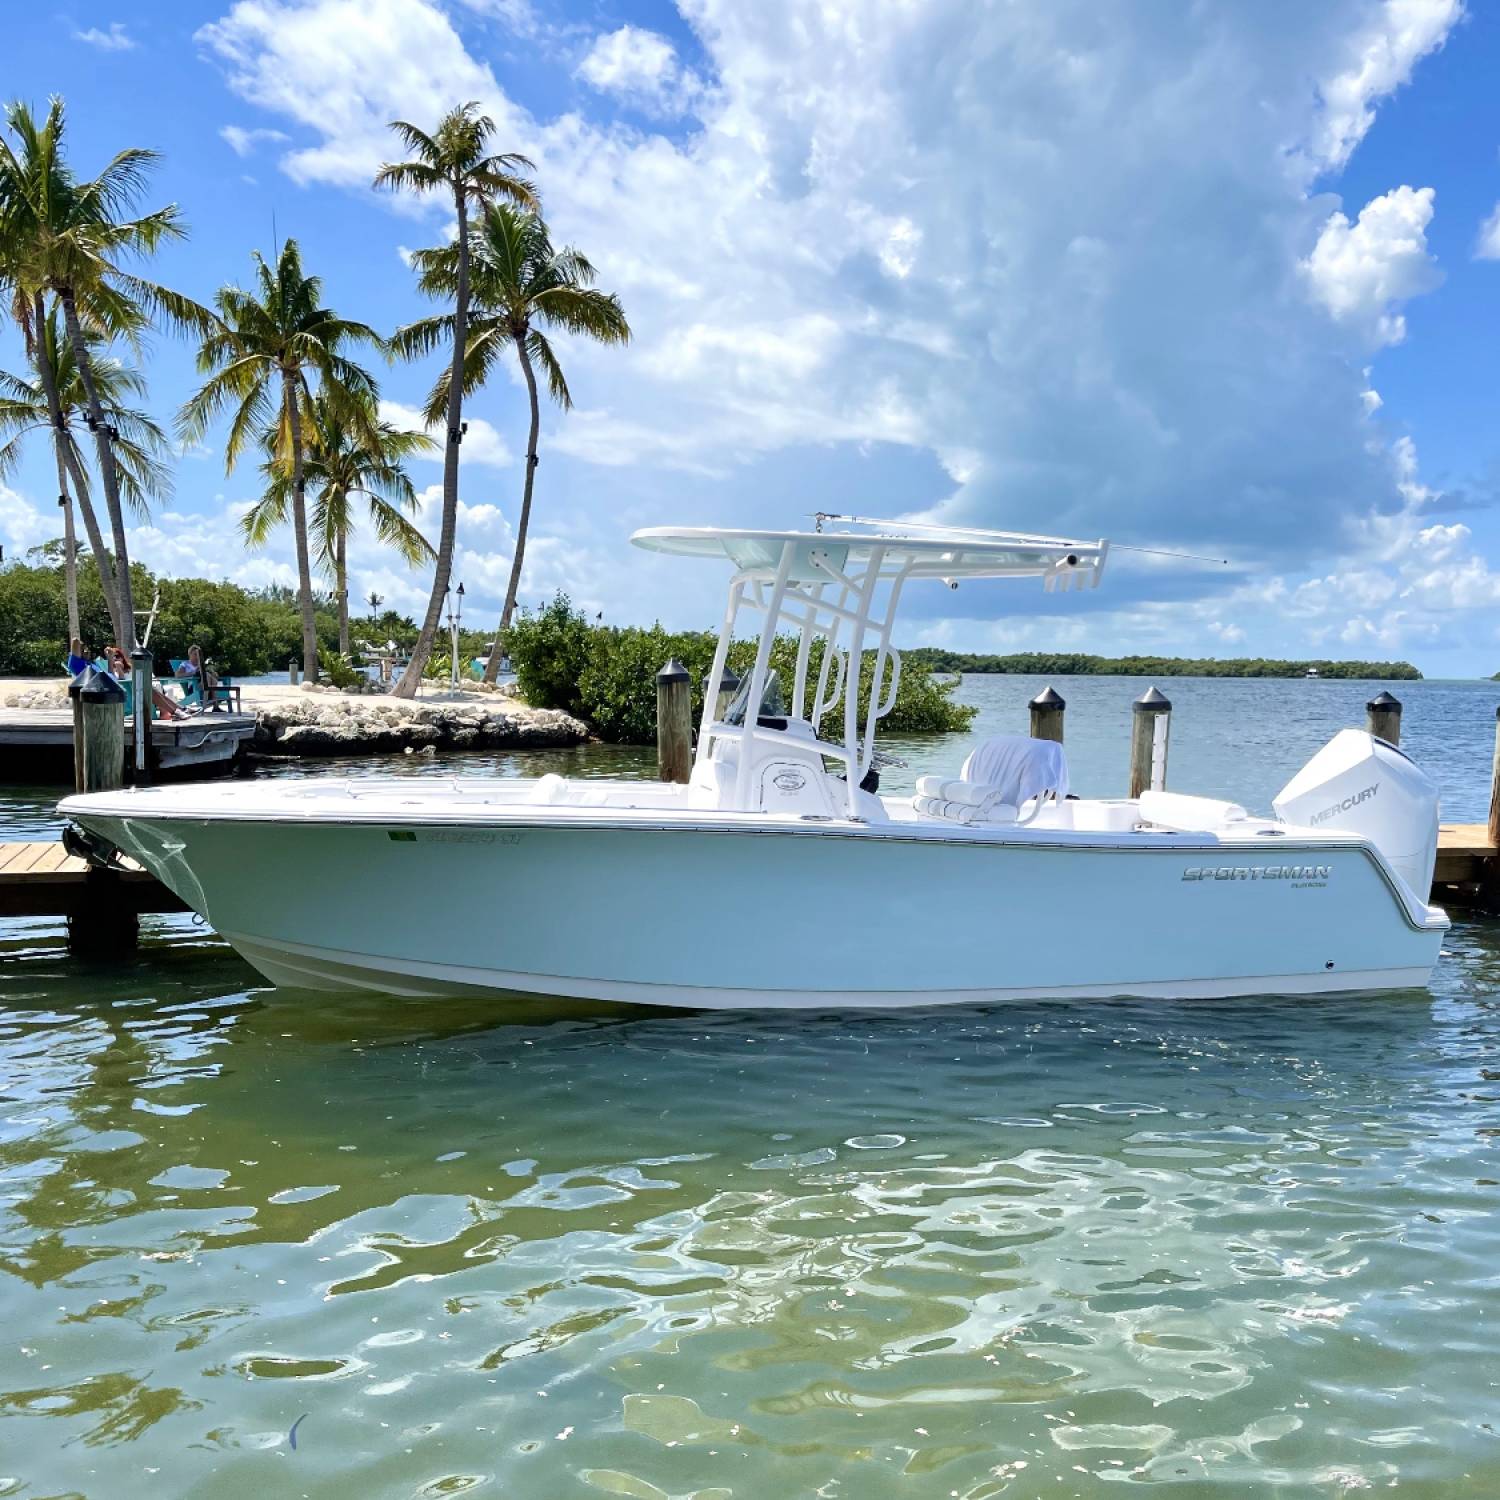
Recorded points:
(1224, 278)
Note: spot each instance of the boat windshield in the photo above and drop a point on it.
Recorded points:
(772, 701)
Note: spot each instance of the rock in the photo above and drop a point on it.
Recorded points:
(428, 750)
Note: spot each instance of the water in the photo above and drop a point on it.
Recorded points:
(260, 1242)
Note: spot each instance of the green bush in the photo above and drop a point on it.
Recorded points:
(606, 675)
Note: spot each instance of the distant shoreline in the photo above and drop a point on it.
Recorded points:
(1078, 664)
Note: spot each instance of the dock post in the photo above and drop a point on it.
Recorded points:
(1047, 715)
(1495, 789)
(1150, 724)
(674, 722)
(103, 925)
(729, 685)
(140, 688)
(98, 732)
(291, 672)
(1383, 718)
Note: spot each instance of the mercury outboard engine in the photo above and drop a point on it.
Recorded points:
(1360, 784)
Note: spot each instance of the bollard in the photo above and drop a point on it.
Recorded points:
(1150, 721)
(729, 685)
(1495, 789)
(291, 672)
(674, 722)
(1047, 715)
(98, 732)
(1383, 718)
(141, 687)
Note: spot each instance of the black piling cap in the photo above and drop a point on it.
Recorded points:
(728, 683)
(93, 686)
(1152, 701)
(1049, 697)
(674, 671)
(1383, 702)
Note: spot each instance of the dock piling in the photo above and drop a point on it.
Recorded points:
(98, 732)
(1150, 726)
(674, 722)
(1047, 710)
(1494, 829)
(140, 690)
(729, 685)
(1383, 718)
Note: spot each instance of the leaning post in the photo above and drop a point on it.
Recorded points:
(140, 690)
(1495, 789)
(1383, 718)
(674, 722)
(1047, 710)
(99, 733)
(1150, 725)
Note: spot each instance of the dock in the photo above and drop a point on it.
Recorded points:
(38, 742)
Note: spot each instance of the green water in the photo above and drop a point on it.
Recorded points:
(262, 1243)
(1230, 1249)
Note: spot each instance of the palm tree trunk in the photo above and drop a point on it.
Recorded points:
(412, 677)
(341, 583)
(291, 392)
(70, 542)
(125, 624)
(492, 668)
(69, 458)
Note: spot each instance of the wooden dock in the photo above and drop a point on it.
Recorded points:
(39, 742)
(44, 880)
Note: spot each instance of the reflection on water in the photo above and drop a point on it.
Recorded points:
(1236, 1249)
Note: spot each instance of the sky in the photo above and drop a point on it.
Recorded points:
(1221, 278)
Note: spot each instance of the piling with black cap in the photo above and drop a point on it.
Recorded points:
(1047, 710)
(98, 731)
(1495, 789)
(141, 690)
(1383, 718)
(674, 722)
(729, 685)
(1150, 725)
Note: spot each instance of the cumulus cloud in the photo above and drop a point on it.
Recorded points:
(1488, 245)
(1361, 271)
(1059, 266)
(242, 142)
(640, 66)
(482, 444)
(116, 39)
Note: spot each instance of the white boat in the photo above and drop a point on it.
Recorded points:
(779, 875)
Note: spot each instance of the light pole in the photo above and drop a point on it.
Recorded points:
(455, 617)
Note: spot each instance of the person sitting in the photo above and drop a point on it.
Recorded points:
(119, 669)
(77, 657)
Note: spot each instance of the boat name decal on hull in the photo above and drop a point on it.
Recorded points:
(452, 836)
(1303, 874)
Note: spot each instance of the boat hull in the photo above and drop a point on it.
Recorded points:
(746, 916)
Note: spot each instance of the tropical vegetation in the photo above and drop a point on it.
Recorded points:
(454, 159)
(1075, 663)
(606, 675)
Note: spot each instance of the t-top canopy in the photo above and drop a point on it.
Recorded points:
(938, 552)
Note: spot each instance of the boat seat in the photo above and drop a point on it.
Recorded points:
(1019, 767)
(1187, 814)
(961, 802)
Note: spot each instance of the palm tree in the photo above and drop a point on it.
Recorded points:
(25, 407)
(257, 357)
(520, 280)
(68, 236)
(454, 159)
(343, 462)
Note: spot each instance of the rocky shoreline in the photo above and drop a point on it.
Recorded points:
(349, 726)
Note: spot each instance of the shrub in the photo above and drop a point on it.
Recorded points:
(607, 675)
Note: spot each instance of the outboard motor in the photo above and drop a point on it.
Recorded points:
(1360, 784)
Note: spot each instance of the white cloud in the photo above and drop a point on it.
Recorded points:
(243, 141)
(1488, 245)
(1360, 271)
(640, 66)
(482, 445)
(116, 39)
(22, 523)
(1380, 56)
(1058, 265)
